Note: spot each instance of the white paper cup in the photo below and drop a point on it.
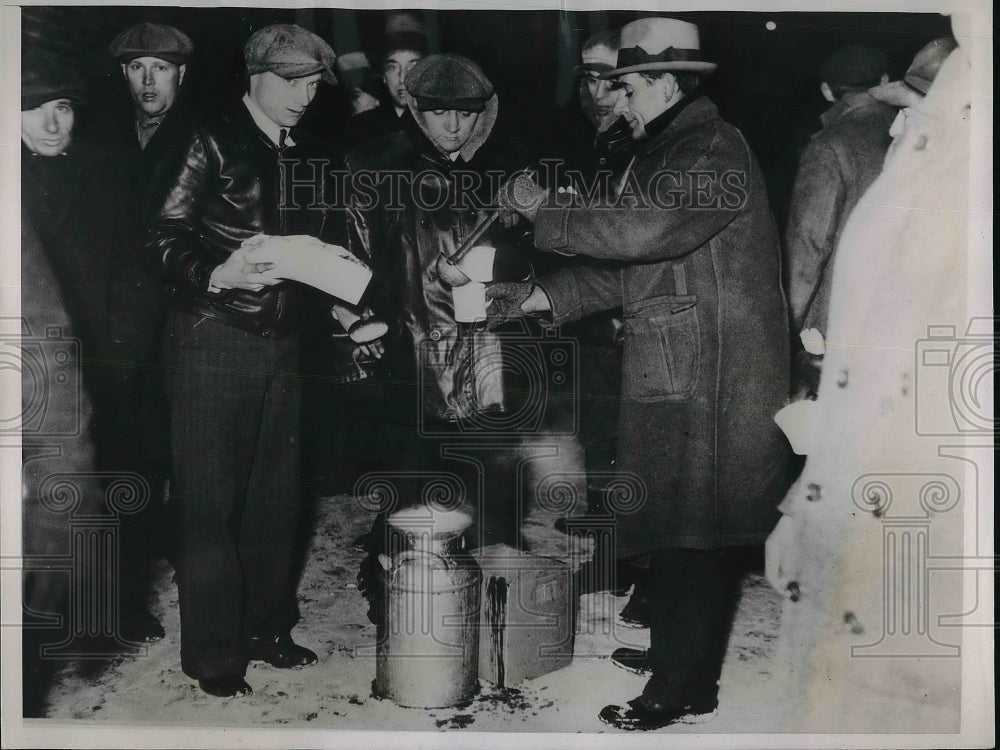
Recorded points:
(470, 302)
(478, 263)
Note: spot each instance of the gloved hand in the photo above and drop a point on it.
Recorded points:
(520, 196)
(504, 300)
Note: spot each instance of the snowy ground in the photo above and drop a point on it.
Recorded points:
(151, 690)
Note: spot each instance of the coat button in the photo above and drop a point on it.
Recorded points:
(852, 623)
(435, 334)
(602, 161)
(842, 379)
(814, 492)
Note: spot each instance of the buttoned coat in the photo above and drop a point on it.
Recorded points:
(706, 346)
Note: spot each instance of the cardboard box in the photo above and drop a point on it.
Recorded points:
(527, 617)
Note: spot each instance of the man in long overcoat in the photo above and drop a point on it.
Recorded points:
(705, 353)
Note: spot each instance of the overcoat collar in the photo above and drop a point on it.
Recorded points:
(699, 110)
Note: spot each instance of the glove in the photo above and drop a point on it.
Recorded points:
(520, 195)
(504, 300)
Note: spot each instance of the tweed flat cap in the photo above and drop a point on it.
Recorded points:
(44, 79)
(854, 66)
(289, 51)
(448, 82)
(152, 40)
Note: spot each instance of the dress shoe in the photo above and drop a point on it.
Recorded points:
(141, 627)
(643, 714)
(632, 660)
(280, 651)
(635, 614)
(225, 687)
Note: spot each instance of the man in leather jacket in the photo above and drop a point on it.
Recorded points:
(233, 345)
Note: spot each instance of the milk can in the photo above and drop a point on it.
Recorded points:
(427, 654)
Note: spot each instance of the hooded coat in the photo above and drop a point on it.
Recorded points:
(705, 364)
(453, 363)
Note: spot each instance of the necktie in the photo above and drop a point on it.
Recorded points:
(283, 135)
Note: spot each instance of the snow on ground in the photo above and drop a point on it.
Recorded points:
(150, 689)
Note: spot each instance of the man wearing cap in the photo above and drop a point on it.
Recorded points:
(440, 374)
(153, 61)
(404, 45)
(233, 345)
(150, 143)
(908, 94)
(109, 289)
(598, 149)
(838, 165)
(705, 361)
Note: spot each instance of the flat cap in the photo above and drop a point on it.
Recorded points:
(448, 82)
(289, 51)
(919, 76)
(44, 79)
(855, 66)
(152, 40)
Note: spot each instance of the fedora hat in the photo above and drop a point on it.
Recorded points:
(659, 44)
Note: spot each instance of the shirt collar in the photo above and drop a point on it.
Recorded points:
(267, 126)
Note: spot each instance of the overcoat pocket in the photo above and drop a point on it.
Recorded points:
(662, 351)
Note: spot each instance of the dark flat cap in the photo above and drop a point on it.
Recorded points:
(44, 79)
(919, 76)
(289, 51)
(855, 66)
(152, 40)
(448, 82)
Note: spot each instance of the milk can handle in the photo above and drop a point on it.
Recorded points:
(415, 553)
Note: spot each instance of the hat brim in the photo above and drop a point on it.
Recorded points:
(692, 66)
(896, 93)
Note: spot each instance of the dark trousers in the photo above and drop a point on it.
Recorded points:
(129, 430)
(692, 596)
(234, 401)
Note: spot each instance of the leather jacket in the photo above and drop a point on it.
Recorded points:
(229, 189)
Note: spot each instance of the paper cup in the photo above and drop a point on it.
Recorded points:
(478, 263)
(470, 302)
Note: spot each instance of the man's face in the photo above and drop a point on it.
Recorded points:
(600, 108)
(397, 65)
(153, 83)
(47, 130)
(640, 100)
(449, 129)
(283, 100)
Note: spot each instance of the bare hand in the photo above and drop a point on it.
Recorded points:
(367, 353)
(238, 273)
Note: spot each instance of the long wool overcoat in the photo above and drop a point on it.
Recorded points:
(706, 339)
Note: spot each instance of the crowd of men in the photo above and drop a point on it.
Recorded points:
(675, 289)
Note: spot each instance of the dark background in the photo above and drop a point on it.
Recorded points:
(766, 82)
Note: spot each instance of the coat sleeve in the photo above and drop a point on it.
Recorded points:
(173, 237)
(817, 202)
(582, 290)
(697, 188)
